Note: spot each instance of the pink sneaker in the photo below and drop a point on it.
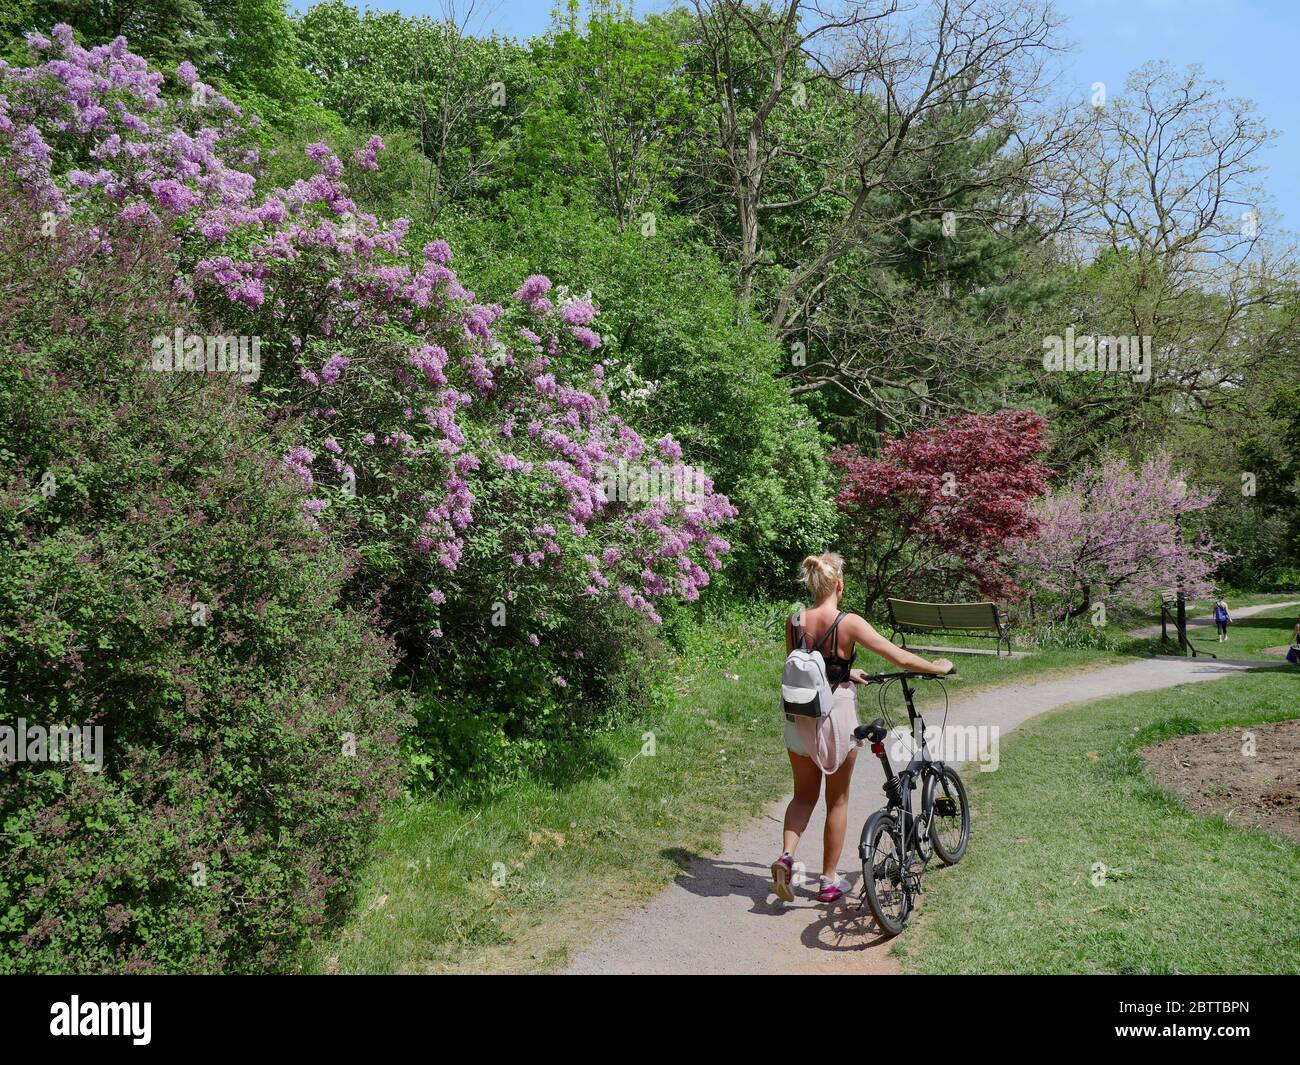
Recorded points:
(833, 890)
(782, 869)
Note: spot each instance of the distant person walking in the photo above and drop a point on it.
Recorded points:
(1221, 619)
(1293, 652)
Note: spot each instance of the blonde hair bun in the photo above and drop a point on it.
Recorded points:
(821, 573)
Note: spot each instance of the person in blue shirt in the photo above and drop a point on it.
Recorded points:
(1221, 619)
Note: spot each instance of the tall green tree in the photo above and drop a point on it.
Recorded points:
(457, 95)
(608, 111)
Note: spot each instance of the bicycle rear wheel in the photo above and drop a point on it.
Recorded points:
(944, 801)
(882, 872)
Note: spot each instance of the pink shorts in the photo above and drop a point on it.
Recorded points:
(828, 740)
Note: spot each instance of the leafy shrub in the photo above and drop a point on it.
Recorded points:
(160, 582)
(1280, 579)
(1076, 634)
(494, 711)
(713, 636)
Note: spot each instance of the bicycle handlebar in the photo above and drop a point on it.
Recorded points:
(907, 674)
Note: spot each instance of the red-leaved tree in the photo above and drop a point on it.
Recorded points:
(935, 514)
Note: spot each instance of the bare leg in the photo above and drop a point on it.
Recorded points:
(837, 814)
(807, 787)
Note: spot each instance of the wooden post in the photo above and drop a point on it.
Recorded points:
(1183, 641)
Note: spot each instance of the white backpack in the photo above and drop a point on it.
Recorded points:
(805, 691)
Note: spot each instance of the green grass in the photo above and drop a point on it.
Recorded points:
(566, 858)
(1248, 637)
(1180, 893)
(1203, 607)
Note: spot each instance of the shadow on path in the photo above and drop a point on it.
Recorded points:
(847, 928)
(711, 878)
(846, 925)
(1201, 664)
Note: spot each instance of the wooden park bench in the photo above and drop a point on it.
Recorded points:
(980, 620)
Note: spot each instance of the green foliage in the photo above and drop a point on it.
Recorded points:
(1272, 455)
(163, 30)
(258, 61)
(686, 366)
(159, 583)
(1071, 634)
(717, 636)
(458, 97)
(608, 111)
(496, 711)
(245, 49)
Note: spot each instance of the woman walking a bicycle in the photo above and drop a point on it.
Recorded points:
(825, 747)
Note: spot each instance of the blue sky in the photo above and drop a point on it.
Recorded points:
(1249, 45)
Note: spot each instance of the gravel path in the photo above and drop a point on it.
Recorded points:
(1207, 620)
(719, 916)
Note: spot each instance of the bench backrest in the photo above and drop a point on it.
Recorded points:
(940, 616)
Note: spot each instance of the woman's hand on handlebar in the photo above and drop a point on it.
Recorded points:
(897, 656)
(859, 676)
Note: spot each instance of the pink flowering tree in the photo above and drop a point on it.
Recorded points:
(440, 437)
(1116, 534)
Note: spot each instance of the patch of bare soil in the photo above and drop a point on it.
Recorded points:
(1216, 774)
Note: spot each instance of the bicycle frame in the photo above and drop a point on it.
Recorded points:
(911, 832)
(900, 784)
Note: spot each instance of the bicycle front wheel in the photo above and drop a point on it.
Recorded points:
(882, 872)
(944, 801)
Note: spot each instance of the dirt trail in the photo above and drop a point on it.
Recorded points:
(719, 916)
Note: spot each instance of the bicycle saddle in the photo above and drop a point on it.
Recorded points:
(875, 732)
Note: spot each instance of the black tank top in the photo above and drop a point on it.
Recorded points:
(837, 668)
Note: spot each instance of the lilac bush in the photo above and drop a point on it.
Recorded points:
(79, 121)
(419, 402)
(159, 583)
(444, 441)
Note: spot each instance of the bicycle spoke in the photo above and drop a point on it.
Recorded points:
(947, 818)
(886, 872)
(951, 817)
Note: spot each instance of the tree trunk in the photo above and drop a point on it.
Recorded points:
(1082, 608)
